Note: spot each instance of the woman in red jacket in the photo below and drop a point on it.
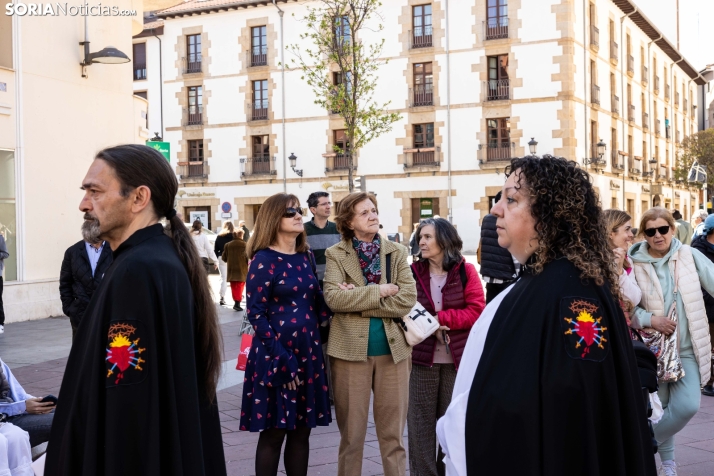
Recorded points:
(450, 289)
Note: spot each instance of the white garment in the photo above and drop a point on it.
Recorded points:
(453, 440)
(205, 250)
(15, 451)
(628, 284)
(223, 270)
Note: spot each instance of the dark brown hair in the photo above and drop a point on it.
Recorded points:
(267, 224)
(197, 227)
(447, 238)
(137, 165)
(346, 213)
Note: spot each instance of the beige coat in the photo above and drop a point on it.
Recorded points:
(691, 292)
(353, 308)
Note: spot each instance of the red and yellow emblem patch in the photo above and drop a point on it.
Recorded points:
(124, 353)
(584, 329)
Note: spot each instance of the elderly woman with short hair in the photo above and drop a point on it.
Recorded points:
(368, 351)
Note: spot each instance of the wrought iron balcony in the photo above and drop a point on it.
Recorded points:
(421, 37)
(614, 52)
(258, 111)
(617, 162)
(193, 116)
(422, 95)
(495, 28)
(257, 56)
(421, 158)
(594, 36)
(337, 162)
(192, 170)
(631, 65)
(139, 72)
(496, 151)
(192, 64)
(631, 113)
(615, 105)
(260, 164)
(497, 89)
(595, 94)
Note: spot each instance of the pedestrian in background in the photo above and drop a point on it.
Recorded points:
(368, 350)
(618, 226)
(699, 217)
(3, 256)
(236, 262)
(321, 234)
(498, 267)
(548, 367)
(684, 229)
(246, 232)
(203, 246)
(704, 243)
(414, 244)
(449, 288)
(669, 274)
(225, 236)
(285, 391)
(83, 268)
(138, 394)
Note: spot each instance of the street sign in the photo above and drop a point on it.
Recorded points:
(226, 207)
(163, 147)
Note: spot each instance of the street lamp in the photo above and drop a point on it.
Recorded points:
(293, 162)
(532, 144)
(601, 146)
(600, 151)
(108, 55)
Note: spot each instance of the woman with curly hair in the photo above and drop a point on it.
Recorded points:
(549, 365)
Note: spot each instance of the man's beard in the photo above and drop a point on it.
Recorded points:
(91, 230)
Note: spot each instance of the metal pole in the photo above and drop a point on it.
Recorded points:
(448, 115)
(282, 87)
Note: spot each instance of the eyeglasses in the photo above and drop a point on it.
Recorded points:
(663, 230)
(291, 212)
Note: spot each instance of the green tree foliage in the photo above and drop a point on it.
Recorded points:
(342, 70)
(698, 147)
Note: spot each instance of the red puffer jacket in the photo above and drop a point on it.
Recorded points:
(461, 308)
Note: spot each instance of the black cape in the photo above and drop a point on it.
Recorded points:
(557, 391)
(132, 400)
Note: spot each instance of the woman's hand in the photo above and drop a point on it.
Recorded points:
(386, 290)
(293, 384)
(663, 324)
(440, 333)
(620, 255)
(34, 406)
(346, 287)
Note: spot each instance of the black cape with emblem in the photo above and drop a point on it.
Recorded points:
(556, 391)
(132, 400)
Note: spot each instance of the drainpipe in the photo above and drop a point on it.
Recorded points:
(282, 85)
(649, 102)
(161, 85)
(671, 98)
(19, 150)
(623, 65)
(448, 114)
(586, 124)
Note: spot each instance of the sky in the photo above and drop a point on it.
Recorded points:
(696, 18)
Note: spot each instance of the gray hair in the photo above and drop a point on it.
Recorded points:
(701, 214)
(447, 238)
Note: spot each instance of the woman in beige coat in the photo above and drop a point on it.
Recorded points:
(368, 351)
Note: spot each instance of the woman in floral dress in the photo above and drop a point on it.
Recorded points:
(285, 388)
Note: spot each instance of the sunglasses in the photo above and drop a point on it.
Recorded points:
(663, 230)
(291, 212)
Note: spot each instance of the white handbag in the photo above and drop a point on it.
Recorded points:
(419, 323)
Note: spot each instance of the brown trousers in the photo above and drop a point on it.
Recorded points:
(353, 384)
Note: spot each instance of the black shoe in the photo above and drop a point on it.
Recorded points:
(708, 390)
(237, 307)
(222, 302)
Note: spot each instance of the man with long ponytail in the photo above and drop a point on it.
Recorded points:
(139, 391)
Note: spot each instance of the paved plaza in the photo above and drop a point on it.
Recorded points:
(37, 353)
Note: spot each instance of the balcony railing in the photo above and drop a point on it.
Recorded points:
(662, 175)
(657, 127)
(666, 92)
(617, 162)
(192, 65)
(497, 89)
(258, 110)
(495, 28)
(495, 151)
(192, 169)
(193, 116)
(656, 84)
(261, 164)
(614, 51)
(422, 95)
(645, 74)
(421, 158)
(667, 131)
(631, 64)
(645, 121)
(594, 36)
(139, 72)
(421, 37)
(595, 94)
(631, 113)
(257, 56)
(615, 104)
(337, 162)
(636, 167)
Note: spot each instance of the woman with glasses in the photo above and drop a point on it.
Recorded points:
(669, 272)
(285, 391)
(368, 283)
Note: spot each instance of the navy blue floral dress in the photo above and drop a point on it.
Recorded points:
(285, 306)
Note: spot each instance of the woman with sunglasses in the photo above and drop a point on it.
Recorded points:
(285, 391)
(668, 272)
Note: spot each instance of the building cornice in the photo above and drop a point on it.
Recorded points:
(197, 7)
